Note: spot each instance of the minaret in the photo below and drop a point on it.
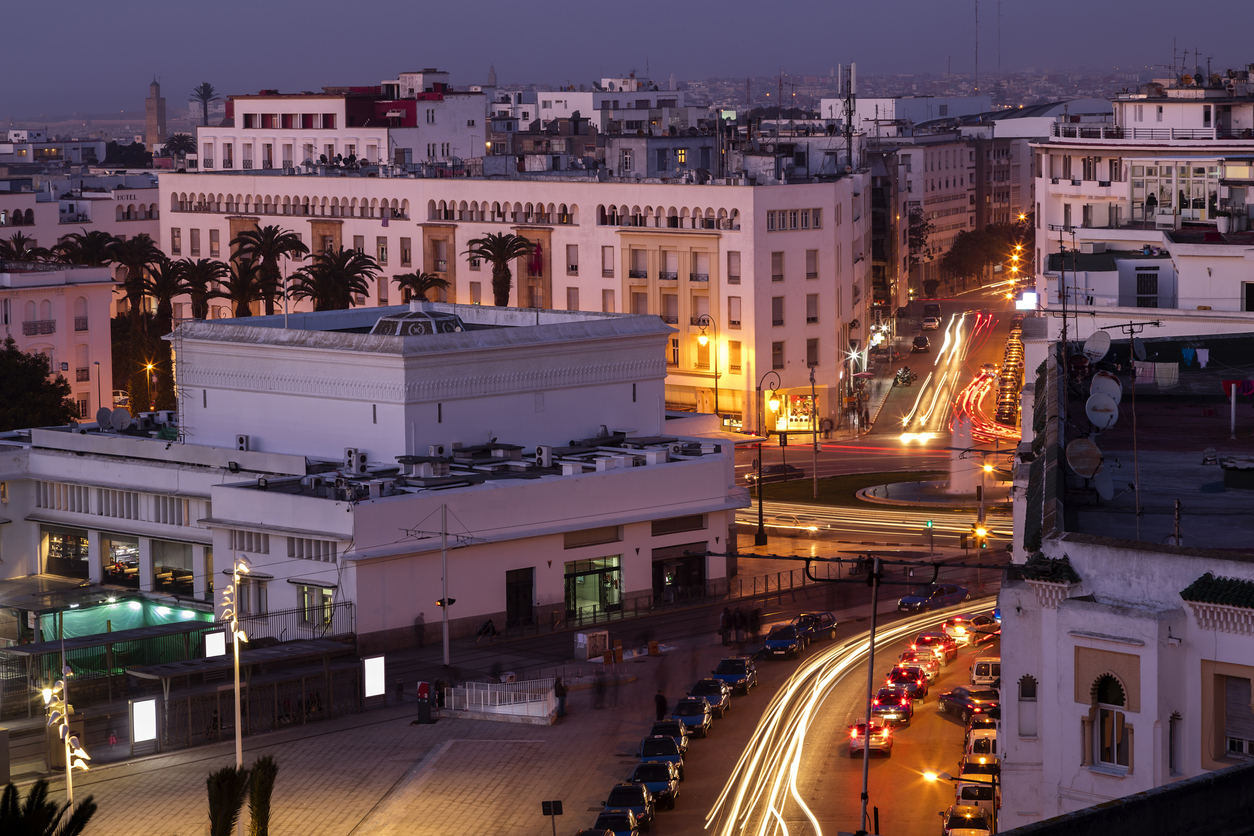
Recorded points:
(154, 116)
(491, 75)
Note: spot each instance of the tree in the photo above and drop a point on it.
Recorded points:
(21, 247)
(204, 93)
(417, 284)
(266, 245)
(264, 772)
(136, 255)
(243, 287)
(498, 249)
(39, 816)
(91, 249)
(131, 155)
(334, 279)
(180, 145)
(198, 279)
(917, 233)
(29, 397)
(227, 788)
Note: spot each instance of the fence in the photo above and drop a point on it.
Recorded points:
(528, 698)
(301, 623)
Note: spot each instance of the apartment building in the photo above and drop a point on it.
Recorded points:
(32, 148)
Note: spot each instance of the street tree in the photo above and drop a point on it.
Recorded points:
(29, 395)
(499, 249)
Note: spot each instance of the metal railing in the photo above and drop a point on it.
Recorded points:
(733, 279)
(300, 623)
(207, 162)
(670, 319)
(668, 276)
(526, 698)
(80, 323)
(698, 277)
(1080, 131)
(81, 375)
(637, 274)
(248, 163)
(39, 326)
(607, 274)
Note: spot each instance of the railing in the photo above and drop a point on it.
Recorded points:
(248, 163)
(670, 319)
(207, 162)
(607, 274)
(441, 265)
(572, 269)
(810, 320)
(733, 279)
(701, 367)
(39, 326)
(699, 319)
(733, 367)
(80, 323)
(668, 276)
(82, 375)
(733, 323)
(777, 277)
(528, 698)
(698, 277)
(812, 275)
(267, 163)
(301, 623)
(287, 163)
(1080, 131)
(228, 163)
(637, 274)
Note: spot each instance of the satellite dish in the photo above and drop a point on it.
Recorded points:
(103, 417)
(1138, 349)
(1105, 383)
(1102, 411)
(1084, 457)
(1104, 482)
(1096, 346)
(120, 418)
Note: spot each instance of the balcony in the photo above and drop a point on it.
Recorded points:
(287, 163)
(572, 269)
(777, 277)
(267, 163)
(733, 279)
(637, 274)
(441, 265)
(228, 163)
(206, 162)
(82, 375)
(1119, 133)
(670, 319)
(733, 367)
(607, 274)
(668, 276)
(733, 324)
(700, 320)
(33, 327)
(810, 320)
(248, 163)
(80, 323)
(698, 277)
(812, 275)
(701, 367)
(1086, 188)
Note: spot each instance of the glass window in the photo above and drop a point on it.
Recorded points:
(64, 551)
(316, 605)
(208, 573)
(172, 568)
(1113, 735)
(119, 555)
(594, 586)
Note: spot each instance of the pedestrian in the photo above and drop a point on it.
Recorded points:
(741, 622)
(599, 685)
(660, 702)
(725, 624)
(559, 691)
(755, 623)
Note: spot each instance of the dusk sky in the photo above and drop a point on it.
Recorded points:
(95, 57)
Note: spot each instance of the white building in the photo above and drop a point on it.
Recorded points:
(33, 148)
(121, 205)
(615, 105)
(897, 115)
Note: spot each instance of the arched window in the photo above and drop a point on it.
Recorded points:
(1112, 737)
(1027, 707)
(29, 315)
(45, 310)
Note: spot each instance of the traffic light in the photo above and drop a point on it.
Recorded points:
(980, 533)
(929, 523)
(445, 602)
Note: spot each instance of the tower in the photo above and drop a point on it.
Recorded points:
(154, 116)
(491, 75)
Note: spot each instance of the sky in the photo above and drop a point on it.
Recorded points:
(89, 56)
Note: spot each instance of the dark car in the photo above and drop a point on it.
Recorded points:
(777, 473)
(716, 692)
(967, 702)
(921, 343)
(661, 747)
(695, 713)
(815, 625)
(783, 641)
(911, 678)
(738, 672)
(618, 822)
(945, 647)
(932, 597)
(676, 729)
(633, 797)
(893, 706)
(660, 778)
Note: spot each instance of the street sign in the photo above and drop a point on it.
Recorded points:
(551, 808)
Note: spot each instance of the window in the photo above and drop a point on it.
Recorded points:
(215, 246)
(733, 268)
(1238, 718)
(195, 242)
(250, 541)
(777, 310)
(474, 264)
(816, 218)
(672, 358)
(640, 303)
(675, 525)
(476, 293)
(793, 219)
(359, 243)
(176, 241)
(777, 267)
(1113, 735)
(777, 355)
(381, 250)
(252, 596)
(812, 308)
(1027, 707)
(607, 262)
(572, 298)
(662, 157)
(317, 603)
(572, 259)
(607, 301)
(407, 253)
(681, 156)
(733, 312)
(770, 221)
(812, 352)
(805, 218)
(1206, 116)
(733, 355)
(1174, 762)
(812, 264)
(1147, 288)
(307, 549)
(172, 568)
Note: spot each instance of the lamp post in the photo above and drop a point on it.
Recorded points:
(759, 539)
(99, 403)
(230, 612)
(993, 777)
(57, 699)
(706, 320)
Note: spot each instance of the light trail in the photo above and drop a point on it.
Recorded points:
(905, 422)
(754, 799)
(877, 521)
(940, 386)
(945, 344)
(957, 339)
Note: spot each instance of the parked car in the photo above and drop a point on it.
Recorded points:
(986, 671)
(921, 344)
(979, 722)
(716, 692)
(783, 641)
(977, 795)
(660, 778)
(661, 747)
(777, 473)
(964, 820)
(675, 728)
(881, 738)
(932, 597)
(635, 798)
(738, 672)
(893, 706)
(695, 713)
(815, 625)
(913, 680)
(618, 822)
(967, 702)
(925, 659)
(929, 638)
(982, 743)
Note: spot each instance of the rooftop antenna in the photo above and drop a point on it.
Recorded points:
(1132, 329)
(999, 81)
(977, 46)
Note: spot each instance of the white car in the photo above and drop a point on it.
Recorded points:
(982, 743)
(931, 323)
(985, 671)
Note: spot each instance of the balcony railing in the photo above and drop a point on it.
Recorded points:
(39, 326)
(267, 163)
(206, 162)
(733, 323)
(733, 367)
(637, 274)
(82, 375)
(441, 265)
(698, 277)
(228, 163)
(607, 274)
(80, 323)
(248, 163)
(777, 277)
(810, 320)
(287, 163)
(1073, 131)
(812, 274)
(700, 319)
(670, 319)
(668, 276)
(701, 367)
(733, 279)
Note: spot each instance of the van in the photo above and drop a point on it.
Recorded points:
(977, 795)
(982, 743)
(986, 670)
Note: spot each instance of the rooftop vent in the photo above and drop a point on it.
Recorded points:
(418, 321)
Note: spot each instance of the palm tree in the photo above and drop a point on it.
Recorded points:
(334, 279)
(227, 788)
(417, 284)
(204, 93)
(260, 790)
(498, 249)
(163, 282)
(38, 816)
(243, 287)
(21, 247)
(135, 255)
(87, 248)
(180, 145)
(266, 245)
(198, 279)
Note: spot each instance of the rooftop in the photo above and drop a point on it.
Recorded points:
(1102, 262)
(1229, 592)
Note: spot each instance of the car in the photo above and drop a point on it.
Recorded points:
(980, 795)
(892, 706)
(985, 671)
(121, 400)
(967, 702)
(930, 638)
(618, 822)
(965, 820)
(675, 728)
(982, 743)
(635, 798)
(931, 323)
(921, 344)
(695, 713)
(979, 722)
(989, 368)
(738, 672)
(660, 778)
(815, 625)
(783, 642)
(971, 629)
(777, 473)
(661, 747)
(925, 659)
(716, 692)
(802, 522)
(910, 678)
(881, 738)
(932, 597)
(978, 769)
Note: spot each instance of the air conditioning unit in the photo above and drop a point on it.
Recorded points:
(435, 450)
(354, 461)
(544, 456)
(243, 443)
(165, 417)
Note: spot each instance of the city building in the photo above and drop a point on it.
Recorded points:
(22, 150)
(154, 117)
(619, 105)
(881, 118)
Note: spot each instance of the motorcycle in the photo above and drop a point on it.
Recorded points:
(904, 377)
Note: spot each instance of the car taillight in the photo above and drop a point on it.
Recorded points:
(978, 709)
(853, 733)
(875, 702)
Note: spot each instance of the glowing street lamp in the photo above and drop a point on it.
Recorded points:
(759, 538)
(230, 612)
(703, 321)
(57, 699)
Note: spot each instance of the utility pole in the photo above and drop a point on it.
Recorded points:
(814, 431)
(444, 576)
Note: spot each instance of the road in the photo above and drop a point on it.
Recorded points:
(874, 525)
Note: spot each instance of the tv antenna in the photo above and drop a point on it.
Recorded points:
(1131, 329)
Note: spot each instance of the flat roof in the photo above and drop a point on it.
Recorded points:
(154, 631)
(288, 653)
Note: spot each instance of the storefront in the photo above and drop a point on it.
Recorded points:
(172, 568)
(679, 573)
(119, 555)
(594, 587)
(798, 412)
(64, 551)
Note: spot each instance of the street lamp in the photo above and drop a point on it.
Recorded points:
(57, 699)
(706, 320)
(993, 776)
(99, 403)
(759, 539)
(230, 611)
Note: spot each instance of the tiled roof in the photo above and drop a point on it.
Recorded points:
(1229, 592)
(1041, 568)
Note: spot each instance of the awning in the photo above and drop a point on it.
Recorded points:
(303, 582)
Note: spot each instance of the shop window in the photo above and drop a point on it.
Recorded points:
(172, 568)
(64, 551)
(120, 556)
(594, 587)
